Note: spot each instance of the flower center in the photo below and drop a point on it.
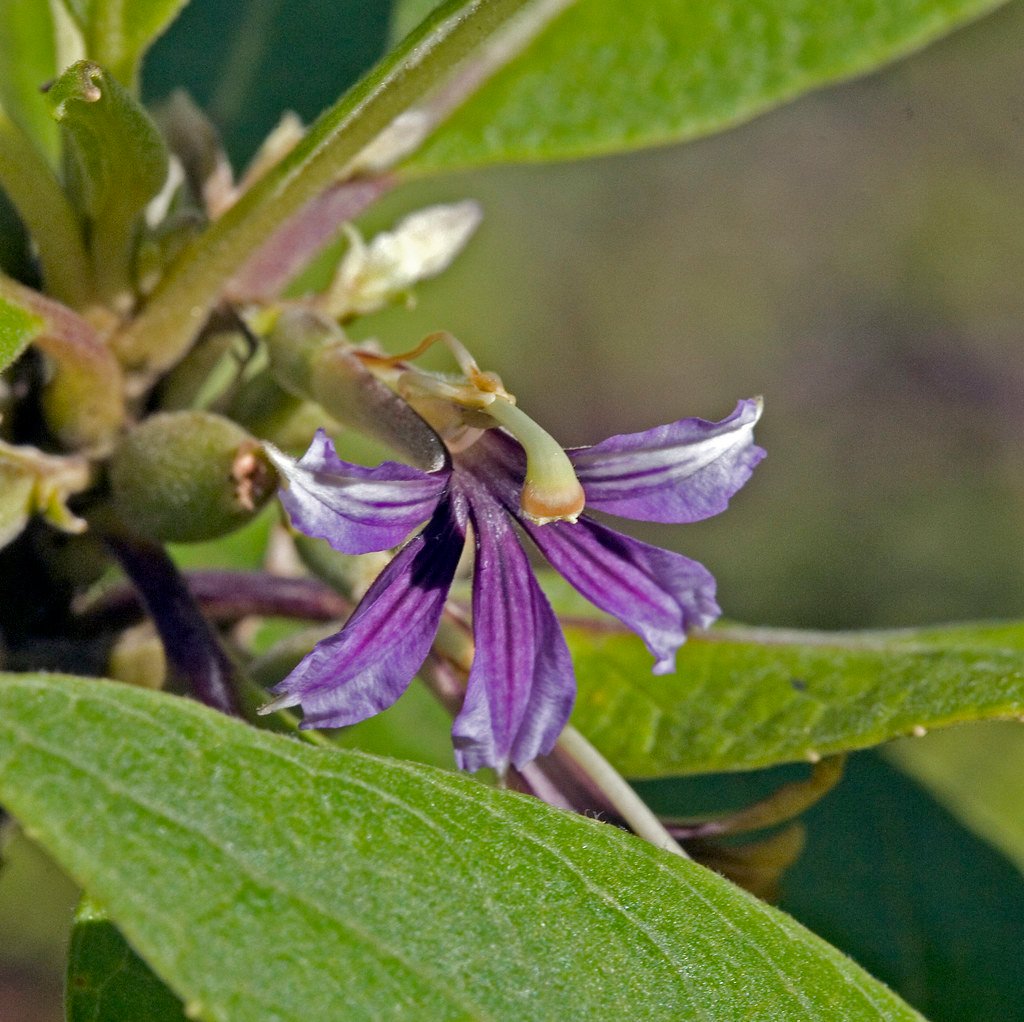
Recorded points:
(460, 408)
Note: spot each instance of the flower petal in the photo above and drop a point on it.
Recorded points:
(355, 508)
(521, 685)
(681, 472)
(659, 594)
(370, 662)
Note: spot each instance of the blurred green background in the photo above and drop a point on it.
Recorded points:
(855, 257)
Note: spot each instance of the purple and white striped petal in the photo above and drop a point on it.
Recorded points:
(365, 667)
(355, 508)
(521, 685)
(681, 472)
(659, 594)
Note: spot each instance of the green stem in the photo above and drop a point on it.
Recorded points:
(781, 806)
(430, 73)
(633, 810)
(28, 180)
(456, 649)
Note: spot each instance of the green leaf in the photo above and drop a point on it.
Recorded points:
(28, 61)
(18, 327)
(893, 880)
(115, 162)
(263, 878)
(107, 980)
(612, 76)
(118, 32)
(36, 902)
(919, 900)
(751, 697)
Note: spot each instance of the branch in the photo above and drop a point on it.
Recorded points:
(190, 644)
(226, 596)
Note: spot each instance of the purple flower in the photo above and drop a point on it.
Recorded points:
(521, 686)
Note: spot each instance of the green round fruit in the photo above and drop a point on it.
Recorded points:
(184, 477)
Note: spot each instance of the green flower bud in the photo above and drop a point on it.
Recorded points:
(32, 482)
(313, 359)
(185, 477)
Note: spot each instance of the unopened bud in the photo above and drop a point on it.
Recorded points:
(137, 657)
(421, 246)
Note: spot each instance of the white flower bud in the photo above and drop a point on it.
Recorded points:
(421, 246)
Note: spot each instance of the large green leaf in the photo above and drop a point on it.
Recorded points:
(118, 32)
(263, 878)
(613, 76)
(751, 697)
(891, 878)
(107, 980)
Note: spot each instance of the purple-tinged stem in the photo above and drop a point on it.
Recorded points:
(191, 647)
(557, 780)
(229, 596)
(464, 48)
(292, 246)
